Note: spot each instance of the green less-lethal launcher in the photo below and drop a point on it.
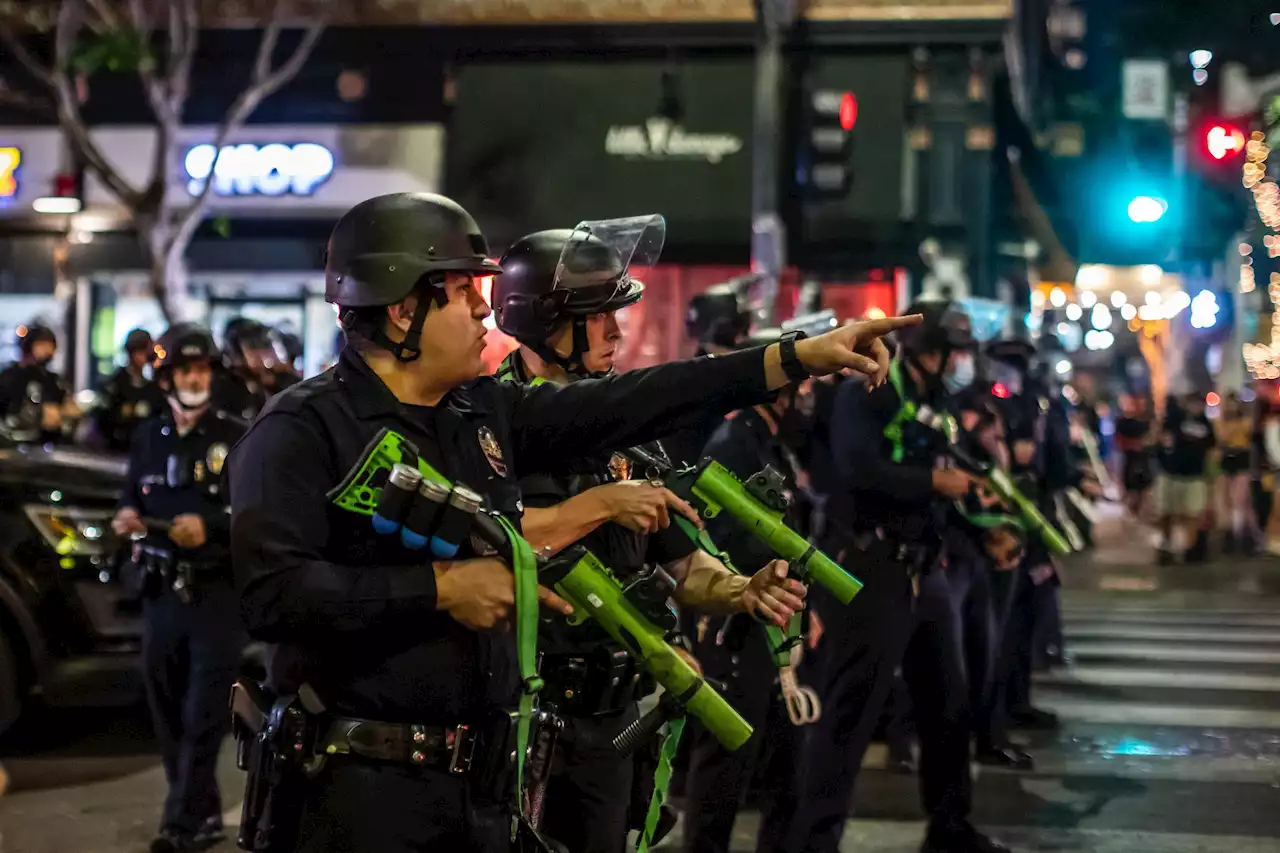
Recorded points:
(757, 505)
(578, 576)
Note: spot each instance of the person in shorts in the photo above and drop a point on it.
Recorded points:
(1182, 491)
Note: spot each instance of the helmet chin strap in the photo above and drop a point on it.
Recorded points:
(573, 363)
(933, 381)
(410, 349)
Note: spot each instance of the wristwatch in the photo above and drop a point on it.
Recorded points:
(791, 364)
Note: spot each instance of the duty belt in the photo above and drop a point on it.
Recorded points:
(180, 575)
(916, 555)
(448, 748)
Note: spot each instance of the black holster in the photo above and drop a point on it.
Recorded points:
(276, 743)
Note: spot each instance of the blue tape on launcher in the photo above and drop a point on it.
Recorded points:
(455, 522)
(424, 515)
(396, 499)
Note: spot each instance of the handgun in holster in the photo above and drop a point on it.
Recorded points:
(276, 743)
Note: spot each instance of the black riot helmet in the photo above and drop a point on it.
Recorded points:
(138, 340)
(944, 329)
(241, 335)
(552, 276)
(718, 316)
(182, 344)
(29, 336)
(383, 248)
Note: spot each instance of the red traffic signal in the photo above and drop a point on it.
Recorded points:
(848, 110)
(1223, 141)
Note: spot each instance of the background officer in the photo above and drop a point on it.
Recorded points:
(128, 397)
(886, 526)
(175, 506)
(33, 399)
(718, 321)
(568, 330)
(395, 644)
(735, 649)
(240, 388)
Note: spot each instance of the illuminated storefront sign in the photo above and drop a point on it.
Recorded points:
(274, 169)
(10, 161)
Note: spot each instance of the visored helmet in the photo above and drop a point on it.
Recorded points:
(382, 248)
(718, 316)
(241, 335)
(183, 344)
(945, 328)
(552, 276)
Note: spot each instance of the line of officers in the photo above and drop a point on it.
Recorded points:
(405, 665)
(37, 406)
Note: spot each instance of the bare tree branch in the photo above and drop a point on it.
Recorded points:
(14, 43)
(264, 83)
(106, 13)
(69, 115)
(29, 103)
(182, 57)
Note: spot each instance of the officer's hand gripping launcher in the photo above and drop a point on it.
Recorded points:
(758, 505)
(1011, 496)
(384, 485)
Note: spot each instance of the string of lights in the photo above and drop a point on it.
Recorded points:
(1262, 359)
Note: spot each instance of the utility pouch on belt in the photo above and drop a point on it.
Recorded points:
(276, 745)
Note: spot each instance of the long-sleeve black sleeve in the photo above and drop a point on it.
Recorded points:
(857, 427)
(735, 449)
(593, 416)
(280, 523)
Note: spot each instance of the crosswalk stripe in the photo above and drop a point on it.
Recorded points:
(1171, 617)
(1131, 677)
(1188, 634)
(1135, 713)
(1173, 652)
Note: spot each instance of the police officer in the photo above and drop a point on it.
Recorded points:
(240, 387)
(1030, 591)
(288, 368)
(735, 649)
(718, 320)
(886, 527)
(400, 647)
(175, 506)
(975, 576)
(34, 399)
(568, 330)
(128, 396)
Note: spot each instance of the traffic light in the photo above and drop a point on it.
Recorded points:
(1219, 143)
(823, 169)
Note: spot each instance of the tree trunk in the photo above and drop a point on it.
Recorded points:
(167, 269)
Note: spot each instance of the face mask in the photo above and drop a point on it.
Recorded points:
(192, 399)
(961, 376)
(45, 362)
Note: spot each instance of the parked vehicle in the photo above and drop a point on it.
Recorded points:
(68, 632)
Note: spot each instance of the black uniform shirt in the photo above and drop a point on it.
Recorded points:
(242, 397)
(24, 390)
(354, 612)
(746, 443)
(876, 491)
(624, 551)
(127, 401)
(172, 475)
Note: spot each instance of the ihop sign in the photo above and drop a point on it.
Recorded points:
(274, 169)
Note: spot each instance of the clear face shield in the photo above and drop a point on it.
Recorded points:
(603, 251)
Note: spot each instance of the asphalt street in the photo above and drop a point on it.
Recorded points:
(1170, 742)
